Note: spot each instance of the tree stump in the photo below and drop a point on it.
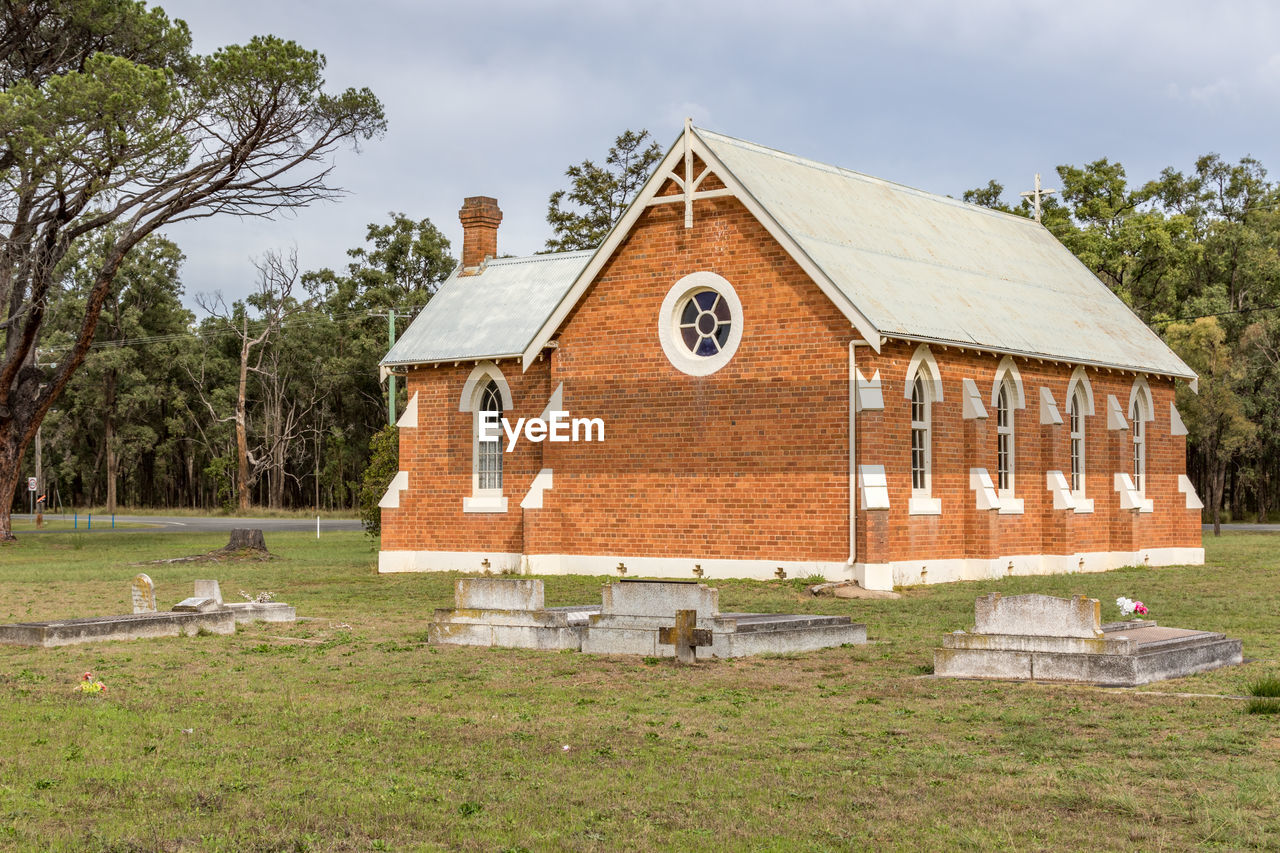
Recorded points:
(246, 539)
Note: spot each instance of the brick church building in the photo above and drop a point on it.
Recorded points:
(786, 369)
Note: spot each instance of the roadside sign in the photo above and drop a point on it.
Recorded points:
(31, 484)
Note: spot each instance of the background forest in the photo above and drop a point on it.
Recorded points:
(275, 400)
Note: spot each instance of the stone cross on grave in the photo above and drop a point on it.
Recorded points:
(684, 636)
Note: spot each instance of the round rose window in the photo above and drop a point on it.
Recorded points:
(705, 322)
(700, 323)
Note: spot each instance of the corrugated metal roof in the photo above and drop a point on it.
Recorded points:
(920, 265)
(490, 315)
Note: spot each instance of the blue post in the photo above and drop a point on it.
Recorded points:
(75, 520)
(113, 521)
(90, 526)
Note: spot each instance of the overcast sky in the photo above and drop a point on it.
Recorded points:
(498, 98)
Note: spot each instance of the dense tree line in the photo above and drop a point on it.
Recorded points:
(1196, 255)
(274, 400)
(112, 128)
(271, 400)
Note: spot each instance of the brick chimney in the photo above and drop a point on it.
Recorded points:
(480, 219)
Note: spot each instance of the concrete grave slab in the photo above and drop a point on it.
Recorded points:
(635, 616)
(130, 627)
(198, 605)
(200, 612)
(1067, 646)
(507, 613)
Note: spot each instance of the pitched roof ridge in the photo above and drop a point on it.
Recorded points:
(538, 257)
(862, 176)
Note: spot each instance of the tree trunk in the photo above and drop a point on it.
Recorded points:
(243, 539)
(242, 438)
(109, 438)
(1217, 481)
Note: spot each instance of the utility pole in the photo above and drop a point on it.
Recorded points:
(1036, 194)
(391, 377)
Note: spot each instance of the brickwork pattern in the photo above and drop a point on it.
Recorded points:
(752, 461)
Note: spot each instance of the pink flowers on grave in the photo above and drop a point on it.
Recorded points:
(1130, 608)
(88, 684)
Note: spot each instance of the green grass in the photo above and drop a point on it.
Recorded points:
(349, 732)
(181, 512)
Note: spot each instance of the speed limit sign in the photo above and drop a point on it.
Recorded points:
(31, 484)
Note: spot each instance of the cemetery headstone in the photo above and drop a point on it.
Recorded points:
(684, 636)
(208, 589)
(144, 594)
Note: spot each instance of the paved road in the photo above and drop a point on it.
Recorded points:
(202, 523)
(1253, 528)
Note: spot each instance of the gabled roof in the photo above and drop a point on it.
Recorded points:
(898, 262)
(924, 266)
(902, 263)
(490, 315)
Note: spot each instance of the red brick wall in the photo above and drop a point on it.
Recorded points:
(438, 457)
(751, 462)
(958, 445)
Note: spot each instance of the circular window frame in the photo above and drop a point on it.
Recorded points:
(669, 324)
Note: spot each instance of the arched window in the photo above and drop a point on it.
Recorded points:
(488, 454)
(920, 420)
(486, 396)
(1004, 439)
(1137, 416)
(1075, 415)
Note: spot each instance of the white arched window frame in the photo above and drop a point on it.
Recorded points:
(485, 389)
(1004, 441)
(923, 388)
(1141, 411)
(1007, 396)
(1080, 408)
(920, 456)
(1075, 420)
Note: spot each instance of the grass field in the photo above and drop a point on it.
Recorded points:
(349, 732)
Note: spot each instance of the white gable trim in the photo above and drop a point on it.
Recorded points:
(671, 168)
(1078, 377)
(923, 357)
(483, 371)
(1010, 370)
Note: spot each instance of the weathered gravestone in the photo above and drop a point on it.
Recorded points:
(144, 594)
(684, 636)
(208, 589)
(639, 617)
(1043, 638)
(509, 613)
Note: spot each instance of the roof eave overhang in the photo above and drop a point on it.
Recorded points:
(453, 359)
(1188, 376)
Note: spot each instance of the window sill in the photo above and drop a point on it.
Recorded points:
(1084, 505)
(925, 506)
(1009, 505)
(485, 503)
